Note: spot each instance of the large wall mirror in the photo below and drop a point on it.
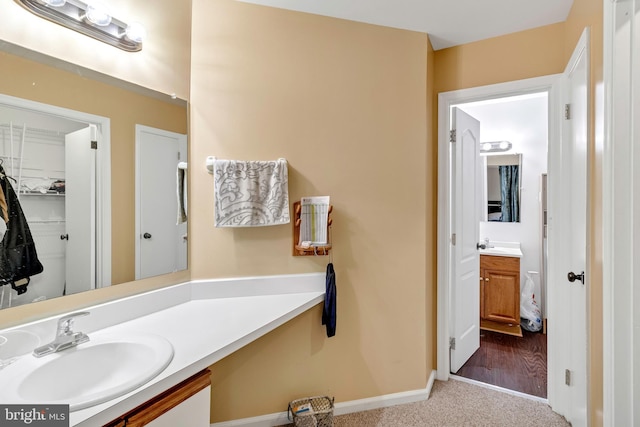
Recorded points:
(503, 177)
(97, 165)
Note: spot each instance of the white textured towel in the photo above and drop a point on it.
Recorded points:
(250, 193)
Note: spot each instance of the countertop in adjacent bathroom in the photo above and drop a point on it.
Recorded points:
(510, 249)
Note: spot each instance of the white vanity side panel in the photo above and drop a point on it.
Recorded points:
(193, 412)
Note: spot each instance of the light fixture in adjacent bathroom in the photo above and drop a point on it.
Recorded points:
(495, 146)
(91, 19)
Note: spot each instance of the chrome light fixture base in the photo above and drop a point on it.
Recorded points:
(495, 147)
(73, 14)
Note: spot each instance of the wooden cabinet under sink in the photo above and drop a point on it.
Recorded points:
(186, 405)
(500, 289)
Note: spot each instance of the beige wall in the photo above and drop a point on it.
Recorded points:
(543, 51)
(532, 53)
(345, 104)
(432, 211)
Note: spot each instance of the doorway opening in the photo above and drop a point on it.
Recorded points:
(512, 215)
(568, 176)
(541, 90)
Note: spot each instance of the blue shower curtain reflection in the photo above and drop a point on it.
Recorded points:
(510, 200)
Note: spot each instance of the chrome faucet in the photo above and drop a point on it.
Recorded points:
(65, 336)
(487, 245)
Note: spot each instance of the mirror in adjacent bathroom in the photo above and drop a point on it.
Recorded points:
(71, 145)
(503, 177)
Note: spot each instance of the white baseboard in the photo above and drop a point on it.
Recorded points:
(341, 408)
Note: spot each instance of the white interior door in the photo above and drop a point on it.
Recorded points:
(161, 245)
(465, 291)
(568, 224)
(80, 211)
(577, 146)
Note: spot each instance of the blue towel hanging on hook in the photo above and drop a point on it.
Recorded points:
(330, 301)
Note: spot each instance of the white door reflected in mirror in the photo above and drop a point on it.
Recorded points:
(80, 211)
(161, 246)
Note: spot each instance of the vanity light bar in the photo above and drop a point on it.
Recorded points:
(495, 146)
(84, 18)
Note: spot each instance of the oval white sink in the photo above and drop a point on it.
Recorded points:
(102, 369)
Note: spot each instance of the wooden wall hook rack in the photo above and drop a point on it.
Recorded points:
(311, 250)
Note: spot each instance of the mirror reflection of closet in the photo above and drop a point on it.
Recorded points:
(502, 191)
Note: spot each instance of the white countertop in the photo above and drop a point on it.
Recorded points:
(204, 320)
(510, 249)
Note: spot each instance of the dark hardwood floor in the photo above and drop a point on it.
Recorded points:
(510, 362)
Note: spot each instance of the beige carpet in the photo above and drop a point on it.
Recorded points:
(456, 403)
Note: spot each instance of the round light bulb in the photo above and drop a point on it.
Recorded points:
(136, 32)
(504, 145)
(55, 3)
(486, 146)
(98, 14)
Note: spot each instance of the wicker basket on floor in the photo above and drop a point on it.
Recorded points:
(319, 414)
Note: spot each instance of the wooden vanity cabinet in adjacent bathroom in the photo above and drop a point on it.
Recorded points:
(500, 289)
(186, 405)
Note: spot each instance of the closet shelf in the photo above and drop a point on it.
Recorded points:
(40, 193)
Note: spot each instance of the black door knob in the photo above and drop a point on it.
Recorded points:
(64, 237)
(146, 235)
(573, 277)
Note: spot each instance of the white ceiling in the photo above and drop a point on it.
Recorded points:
(448, 22)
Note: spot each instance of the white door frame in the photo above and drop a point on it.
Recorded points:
(621, 186)
(445, 101)
(103, 174)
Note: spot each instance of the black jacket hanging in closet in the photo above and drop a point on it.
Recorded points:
(18, 257)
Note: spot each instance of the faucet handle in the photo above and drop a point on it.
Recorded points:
(65, 323)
